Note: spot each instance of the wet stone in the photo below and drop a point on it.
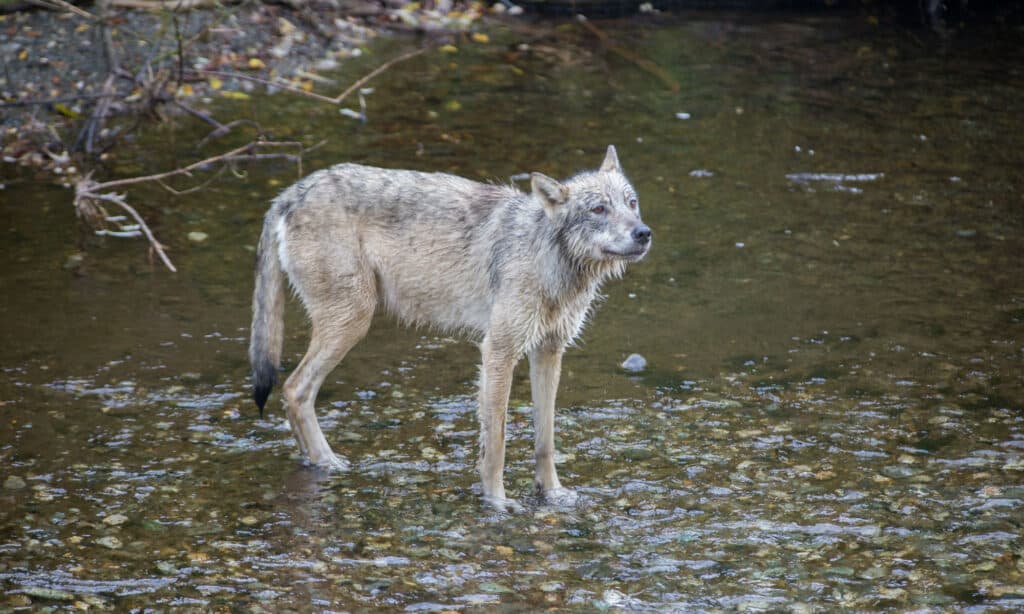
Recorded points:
(115, 520)
(900, 471)
(634, 363)
(14, 482)
(19, 601)
(874, 573)
(637, 454)
(479, 599)
(51, 594)
(110, 542)
(841, 570)
(166, 568)
(494, 587)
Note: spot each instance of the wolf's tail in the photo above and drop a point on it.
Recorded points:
(267, 315)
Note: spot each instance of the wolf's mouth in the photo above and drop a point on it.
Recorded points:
(633, 255)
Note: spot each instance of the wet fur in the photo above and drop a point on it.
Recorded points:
(517, 271)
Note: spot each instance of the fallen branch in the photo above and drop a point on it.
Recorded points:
(118, 199)
(643, 63)
(89, 194)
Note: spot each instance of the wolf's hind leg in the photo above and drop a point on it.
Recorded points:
(545, 371)
(336, 329)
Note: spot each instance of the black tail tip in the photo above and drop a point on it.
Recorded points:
(262, 382)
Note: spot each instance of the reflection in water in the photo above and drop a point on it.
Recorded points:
(829, 417)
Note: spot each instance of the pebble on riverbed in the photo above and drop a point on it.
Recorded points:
(115, 520)
(110, 542)
(634, 363)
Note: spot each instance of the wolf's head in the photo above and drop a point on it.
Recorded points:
(597, 214)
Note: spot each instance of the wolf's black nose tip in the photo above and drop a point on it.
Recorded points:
(642, 234)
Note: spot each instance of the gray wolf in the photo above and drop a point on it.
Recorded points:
(516, 271)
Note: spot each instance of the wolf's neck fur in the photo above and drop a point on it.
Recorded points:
(562, 282)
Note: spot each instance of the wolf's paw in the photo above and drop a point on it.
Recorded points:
(561, 497)
(331, 462)
(504, 505)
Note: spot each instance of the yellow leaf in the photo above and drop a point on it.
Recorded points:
(480, 37)
(82, 27)
(453, 105)
(23, 54)
(66, 112)
(306, 86)
(412, 6)
(185, 90)
(449, 49)
(215, 83)
(235, 95)
(503, 550)
(256, 64)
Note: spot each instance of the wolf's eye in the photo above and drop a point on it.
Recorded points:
(598, 210)
(632, 203)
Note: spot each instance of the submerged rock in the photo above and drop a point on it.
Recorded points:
(53, 594)
(900, 471)
(14, 482)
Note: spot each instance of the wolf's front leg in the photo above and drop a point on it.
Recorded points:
(495, 385)
(545, 370)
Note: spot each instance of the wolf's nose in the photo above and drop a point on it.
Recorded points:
(642, 234)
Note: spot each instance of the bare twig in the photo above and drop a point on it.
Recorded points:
(223, 129)
(164, 5)
(234, 153)
(87, 136)
(119, 201)
(336, 99)
(61, 5)
(647, 65)
(32, 103)
(195, 188)
(89, 194)
(108, 41)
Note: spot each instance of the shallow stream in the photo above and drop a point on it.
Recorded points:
(832, 415)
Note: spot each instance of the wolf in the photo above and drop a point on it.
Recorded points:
(517, 271)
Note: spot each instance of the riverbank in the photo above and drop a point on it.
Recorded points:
(74, 83)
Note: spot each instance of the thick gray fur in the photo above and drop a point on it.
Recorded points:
(516, 271)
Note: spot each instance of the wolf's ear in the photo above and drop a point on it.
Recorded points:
(551, 193)
(611, 161)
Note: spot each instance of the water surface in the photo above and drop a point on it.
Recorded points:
(831, 416)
